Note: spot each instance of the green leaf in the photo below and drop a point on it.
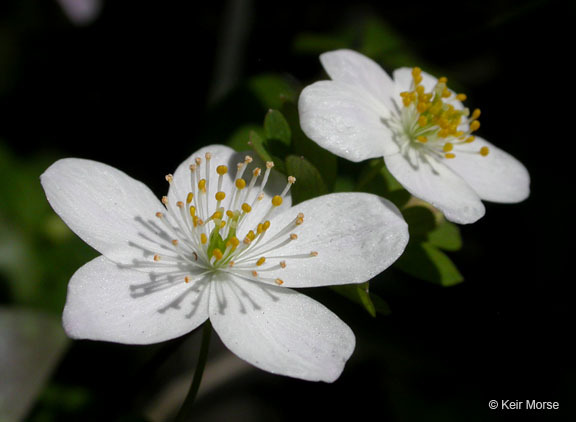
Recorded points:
(425, 261)
(360, 294)
(240, 138)
(446, 236)
(309, 182)
(420, 221)
(257, 144)
(272, 90)
(277, 128)
(313, 43)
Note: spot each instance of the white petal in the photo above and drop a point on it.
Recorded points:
(352, 68)
(279, 330)
(435, 183)
(223, 155)
(109, 210)
(111, 303)
(345, 121)
(497, 177)
(356, 236)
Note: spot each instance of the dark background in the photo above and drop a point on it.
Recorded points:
(136, 90)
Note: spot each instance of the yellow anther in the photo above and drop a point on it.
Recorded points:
(254, 273)
(234, 241)
(293, 236)
(422, 139)
(269, 164)
(277, 201)
(195, 220)
(192, 211)
(449, 155)
(220, 196)
(476, 114)
(169, 178)
(208, 156)
(448, 146)
(175, 242)
(246, 208)
(484, 151)
(231, 264)
(443, 80)
(260, 228)
(187, 279)
(256, 172)
(165, 200)
(189, 197)
(180, 204)
(192, 167)
(461, 97)
(291, 180)
(283, 264)
(229, 214)
(279, 281)
(422, 121)
(217, 253)
(313, 253)
(240, 183)
(261, 261)
(222, 224)
(221, 170)
(217, 215)
(202, 185)
(248, 159)
(416, 71)
(422, 107)
(470, 139)
(420, 90)
(203, 238)
(266, 225)
(156, 258)
(159, 215)
(198, 161)
(475, 125)
(446, 93)
(299, 221)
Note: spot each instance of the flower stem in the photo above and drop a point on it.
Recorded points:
(195, 385)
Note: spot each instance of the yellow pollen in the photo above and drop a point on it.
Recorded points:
(220, 196)
(217, 253)
(169, 178)
(203, 238)
(260, 228)
(461, 97)
(240, 183)
(261, 261)
(229, 214)
(217, 215)
(234, 242)
(221, 170)
(448, 147)
(279, 282)
(222, 224)
(443, 80)
(246, 208)
(470, 139)
(192, 211)
(277, 201)
(446, 93)
(475, 125)
(422, 121)
(422, 139)
(484, 151)
(475, 114)
(189, 197)
(266, 225)
(449, 155)
(202, 185)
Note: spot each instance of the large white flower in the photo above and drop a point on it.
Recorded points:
(421, 129)
(221, 246)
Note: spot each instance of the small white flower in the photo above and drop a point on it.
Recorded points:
(420, 128)
(223, 244)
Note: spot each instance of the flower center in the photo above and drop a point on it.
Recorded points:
(207, 234)
(431, 121)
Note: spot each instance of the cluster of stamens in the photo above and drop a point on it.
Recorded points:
(429, 120)
(206, 233)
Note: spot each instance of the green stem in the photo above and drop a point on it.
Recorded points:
(200, 365)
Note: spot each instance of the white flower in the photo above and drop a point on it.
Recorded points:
(223, 247)
(420, 128)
